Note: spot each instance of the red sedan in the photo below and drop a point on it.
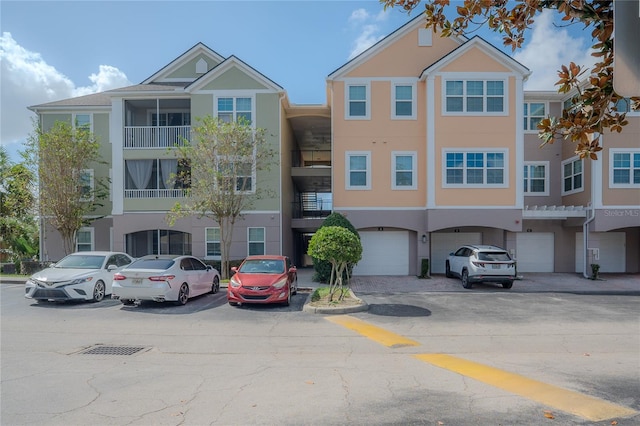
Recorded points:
(263, 279)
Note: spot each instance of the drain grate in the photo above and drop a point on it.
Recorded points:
(112, 350)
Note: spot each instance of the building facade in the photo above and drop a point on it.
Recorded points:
(425, 143)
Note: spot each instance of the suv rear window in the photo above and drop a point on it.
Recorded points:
(493, 256)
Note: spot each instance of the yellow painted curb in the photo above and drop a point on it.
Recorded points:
(585, 406)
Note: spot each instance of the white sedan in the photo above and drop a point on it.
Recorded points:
(164, 278)
(85, 275)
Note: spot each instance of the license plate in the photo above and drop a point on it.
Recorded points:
(137, 281)
(496, 266)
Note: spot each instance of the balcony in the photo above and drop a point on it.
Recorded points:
(154, 193)
(156, 137)
(311, 170)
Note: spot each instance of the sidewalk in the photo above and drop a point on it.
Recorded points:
(628, 284)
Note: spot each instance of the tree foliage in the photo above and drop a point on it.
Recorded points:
(18, 230)
(340, 247)
(593, 105)
(68, 191)
(224, 160)
(321, 267)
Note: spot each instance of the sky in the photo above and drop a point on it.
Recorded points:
(53, 50)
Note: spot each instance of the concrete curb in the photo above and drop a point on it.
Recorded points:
(338, 310)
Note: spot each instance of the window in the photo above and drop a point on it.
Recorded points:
(403, 101)
(357, 101)
(571, 176)
(358, 170)
(475, 168)
(86, 184)
(534, 112)
(625, 105)
(474, 96)
(171, 119)
(403, 169)
(82, 122)
(255, 241)
(235, 175)
(625, 168)
(84, 239)
(212, 242)
(535, 179)
(235, 109)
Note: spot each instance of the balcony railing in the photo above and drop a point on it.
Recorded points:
(304, 211)
(156, 137)
(154, 193)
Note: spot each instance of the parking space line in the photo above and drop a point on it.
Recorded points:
(374, 333)
(581, 405)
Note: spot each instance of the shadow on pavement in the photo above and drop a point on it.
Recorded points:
(398, 310)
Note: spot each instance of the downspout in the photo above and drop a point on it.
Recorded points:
(585, 238)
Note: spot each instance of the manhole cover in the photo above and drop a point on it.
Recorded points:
(112, 350)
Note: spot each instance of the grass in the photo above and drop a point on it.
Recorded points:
(323, 293)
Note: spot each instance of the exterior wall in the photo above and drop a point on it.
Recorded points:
(628, 139)
(53, 248)
(234, 79)
(187, 70)
(286, 189)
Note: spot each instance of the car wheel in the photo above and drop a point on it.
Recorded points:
(233, 303)
(507, 284)
(183, 295)
(98, 292)
(447, 270)
(295, 288)
(465, 279)
(216, 285)
(127, 302)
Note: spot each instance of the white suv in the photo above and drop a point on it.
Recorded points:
(481, 263)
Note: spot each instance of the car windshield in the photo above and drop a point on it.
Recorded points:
(263, 266)
(81, 261)
(493, 256)
(158, 264)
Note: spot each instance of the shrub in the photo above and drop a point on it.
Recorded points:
(322, 268)
(424, 268)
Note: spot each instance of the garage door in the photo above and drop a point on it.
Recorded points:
(383, 253)
(534, 251)
(611, 250)
(444, 243)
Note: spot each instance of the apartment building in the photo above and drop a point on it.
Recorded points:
(138, 126)
(424, 143)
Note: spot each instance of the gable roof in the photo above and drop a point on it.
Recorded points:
(231, 62)
(487, 48)
(93, 100)
(198, 49)
(417, 22)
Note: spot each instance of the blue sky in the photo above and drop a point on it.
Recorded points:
(51, 50)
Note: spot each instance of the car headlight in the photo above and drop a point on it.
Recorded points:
(281, 283)
(80, 280)
(234, 282)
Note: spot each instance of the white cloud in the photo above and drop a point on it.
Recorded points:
(369, 33)
(548, 48)
(28, 80)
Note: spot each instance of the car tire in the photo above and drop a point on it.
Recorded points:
(98, 292)
(183, 294)
(288, 301)
(447, 270)
(465, 279)
(507, 284)
(127, 302)
(215, 287)
(295, 288)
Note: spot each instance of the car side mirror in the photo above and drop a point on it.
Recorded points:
(293, 269)
(234, 269)
(209, 267)
(112, 267)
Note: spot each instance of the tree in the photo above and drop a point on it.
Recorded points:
(220, 180)
(68, 191)
(323, 267)
(341, 248)
(18, 230)
(593, 107)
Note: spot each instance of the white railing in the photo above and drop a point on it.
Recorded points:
(154, 193)
(155, 137)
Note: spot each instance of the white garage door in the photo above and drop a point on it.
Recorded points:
(444, 243)
(534, 251)
(611, 251)
(383, 253)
